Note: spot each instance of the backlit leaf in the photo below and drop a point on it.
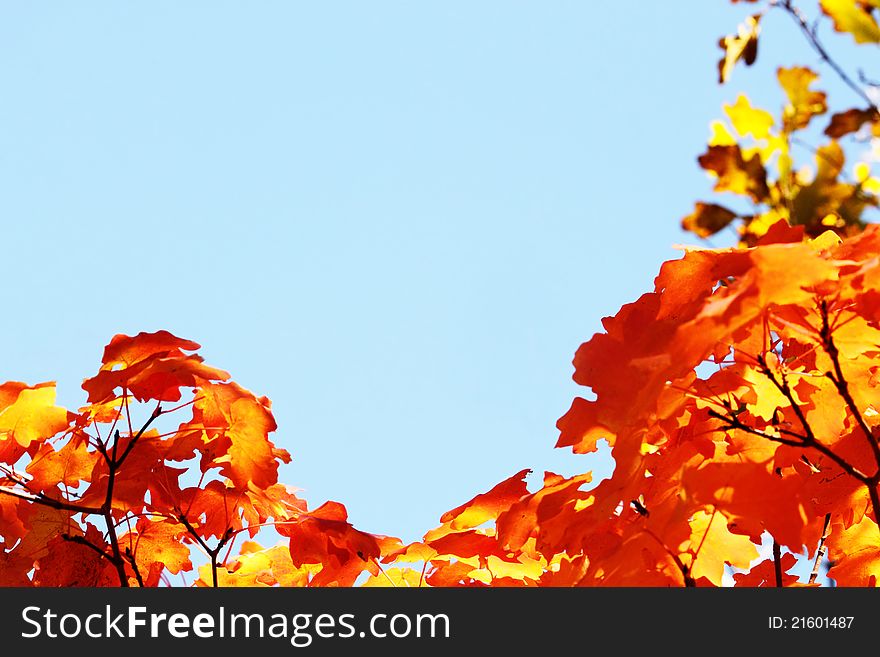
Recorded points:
(33, 416)
(707, 219)
(734, 173)
(803, 103)
(742, 46)
(844, 123)
(748, 120)
(851, 17)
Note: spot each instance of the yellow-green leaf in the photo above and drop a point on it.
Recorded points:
(748, 120)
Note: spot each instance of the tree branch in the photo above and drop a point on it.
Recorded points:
(137, 573)
(211, 551)
(735, 423)
(82, 540)
(39, 498)
(107, 512)
(131, 443)
(842, 386)
(777, 563)
(816, 44)
(820, 551)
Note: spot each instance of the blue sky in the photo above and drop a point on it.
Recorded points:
(397, 220)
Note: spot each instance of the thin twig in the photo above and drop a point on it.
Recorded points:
(211, 551)
(777, 564)
(82, 540)
(129, 556)
(822, 549)
(842, 386)
(107, 512)
(131, 443)
(813, 39)
(50, 502)
(735, 423)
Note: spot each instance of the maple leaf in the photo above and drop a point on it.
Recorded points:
(748, 120)
(742, 46)
(11, 573)
(324, 536)
(707, 219)
(844, 123)
(72, 564)
(44, 524)
(547, 513)
(9, 392)
(230, 428)
(416, 552)
(854, 553)
(278, 501)
(734, 173)
(803, 103)
(150, 366)
(68, 466)
(12, 527)
(251, 457)
(850, 16)
(156, 546)
(468, 544)
(827, 196)
(764, 574)
(487, 506)
(256, 566)
(145, 469)
(57, 467)
(33, 416)
(214, 508)
(712, 545)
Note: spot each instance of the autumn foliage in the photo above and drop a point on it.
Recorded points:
(168, 455)
(740, 399)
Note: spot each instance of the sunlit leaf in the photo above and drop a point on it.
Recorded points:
(742, 46)
(850, 16)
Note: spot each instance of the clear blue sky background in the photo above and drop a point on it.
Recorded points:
(397, 220)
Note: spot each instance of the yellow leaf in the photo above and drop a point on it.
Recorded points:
(862, 173)
(850, 17)
(396, 577)
(33, 416)
(832, 221)
(827, 240)
(776, 144)
(524, 568)
(768, 396)
(720, 135)
(256, 566)
(803, 103)
(871, 185)
(740, 46)
(748, 120)
(712, 545)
